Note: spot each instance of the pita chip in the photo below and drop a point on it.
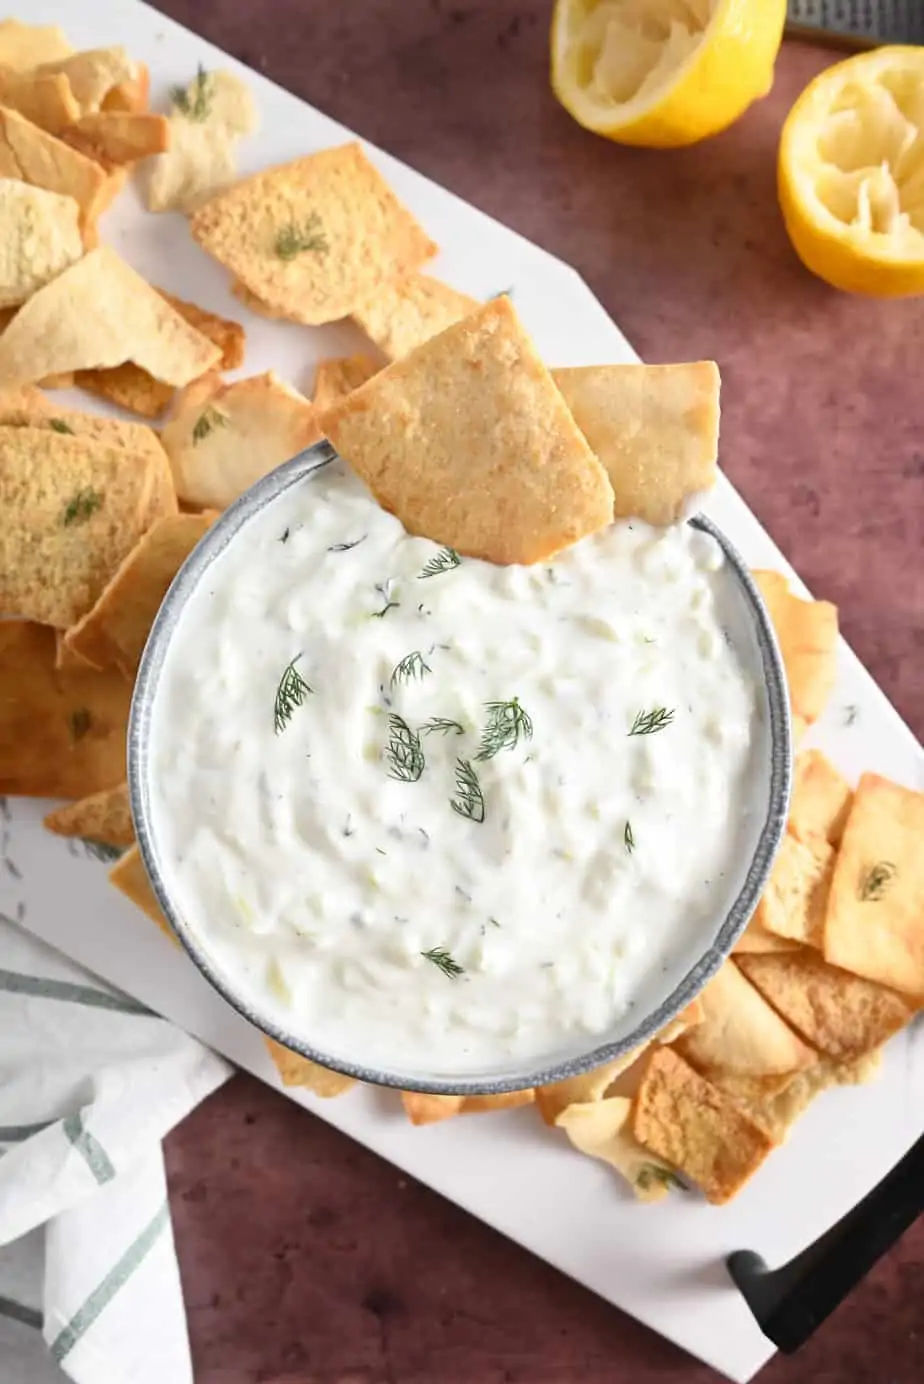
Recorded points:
(100, 312)
(104, 817)
(115, 138)
(24, 46)
(582, 1089)
(222, 438)
(524, 485)
(401, 315)
(295, 1070)
(505, 1100)
(838, 1013)
(740, 1033)
(602, 1129)
(115, 630)
(875, 920)
(208, 118)
(314, 238)
(821, 799)
(757, 940)
(655, 428)
(776, 1111)
(91, 75)
(794, 903)
(34, 156)
(131, 879)
(45, 98)
(692, 1126)
(807, 633)
(66, 659)
(39, 237)
(336, 378)
(62, 734)
(422, 1108)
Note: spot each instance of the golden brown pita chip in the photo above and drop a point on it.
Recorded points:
(295, 1070)
(72, 509)
(104, 817)
(776, 1111)
(30, 153)
(794, 902)
(24, 46)
(115, 138)
(602, 1129)
(401, 315)
(821, 799)
(524, 485)
(740, 1033)
(131, 879)
(131, 94)
(39, 237)
(314, 238)
(208, 118)
(222, 438)
(101, 313)
(875, 920)
(583, 1089)
(62, 735)
(422, 1108)
(255, 304)
(334, 379)
(655, 428)
(807, 635)
(44, 98)
(694, 1013)
(66, 659)
(91, 75)
(690, 1125)
(115, 630)
(838, 1013)
(507, 1100)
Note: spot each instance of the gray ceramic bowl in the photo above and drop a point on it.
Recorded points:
(748, 627)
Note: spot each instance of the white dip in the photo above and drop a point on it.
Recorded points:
(352, 892)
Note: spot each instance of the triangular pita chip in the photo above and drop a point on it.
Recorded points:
(602, 1129)
(875, 920)
(131, 879)
(655, 428)
(524, 484)
(62, 735)
(31, 154)
(24, 46)
(838, 1013)
(295, 1070)
(39, 237)
(208, 118)
(102, 817)
(222, 438)
(740, 1033)
(314, 238)
(794, 903)
(336, 378)
(401, 315)
(807, 635)
(821, 799)
(100, 312)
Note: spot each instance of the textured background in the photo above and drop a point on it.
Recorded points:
(306, 1260)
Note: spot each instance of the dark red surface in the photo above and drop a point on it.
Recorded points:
(306, 1260)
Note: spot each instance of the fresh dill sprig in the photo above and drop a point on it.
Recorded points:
(58, 425)
(648, 722)
(209, 419)
(384, 590)
(628, 838)
(291, 692)
(79, 508)
(411, 666)
(292, 239)
(652, 1175)
(469, 799)
(876, 881)
(199, 105)
(507, 722)
(345, 547)
(406, 759)
(81, 721)
(444, 561)
(439, 725)
(444, 962)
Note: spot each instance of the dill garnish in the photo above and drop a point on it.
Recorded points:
(199, 105)
(507, 721)
(345, 547)
(444, 962)
(81, 721)
(81, 506)
(384, 590)
(441, 726)
(647, 722)
(291, 692)
(209, 419)
(293, 239)
(469, 799)
(444, 561)
(876, 881)
(58, 425)
(411, 666)
(494, 922)
(628, 838)
(850, 715)
(405, 757)
(650, 1174)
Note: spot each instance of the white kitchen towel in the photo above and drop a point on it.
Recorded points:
(90, 1082)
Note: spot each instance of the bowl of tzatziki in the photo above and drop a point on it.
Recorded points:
(447, 825)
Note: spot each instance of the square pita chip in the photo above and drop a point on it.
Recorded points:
(807, 634)
(687, 1123)
(795, 901)
(838, 1013)
(518, 484)
(602, 1129)
(404, 314)
(72, 509)
(655, 428)
(131, 879)
(740, 1033)
(821, 799)
(295, 1070)
(335, 379)
(104, 817)
(62, 734)
(313, 239)
(875, 920)
(100, 312)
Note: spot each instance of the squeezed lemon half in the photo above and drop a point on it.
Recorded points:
(663, 72)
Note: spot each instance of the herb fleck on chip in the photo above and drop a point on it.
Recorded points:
(209, 419)
(79, 508)
(877, 880)
(58, 425)
(293, 240)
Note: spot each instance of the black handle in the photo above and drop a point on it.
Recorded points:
(791, 1302)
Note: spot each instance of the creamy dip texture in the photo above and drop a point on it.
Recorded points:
(434, 815)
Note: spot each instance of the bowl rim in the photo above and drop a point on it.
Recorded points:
(301, 468)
